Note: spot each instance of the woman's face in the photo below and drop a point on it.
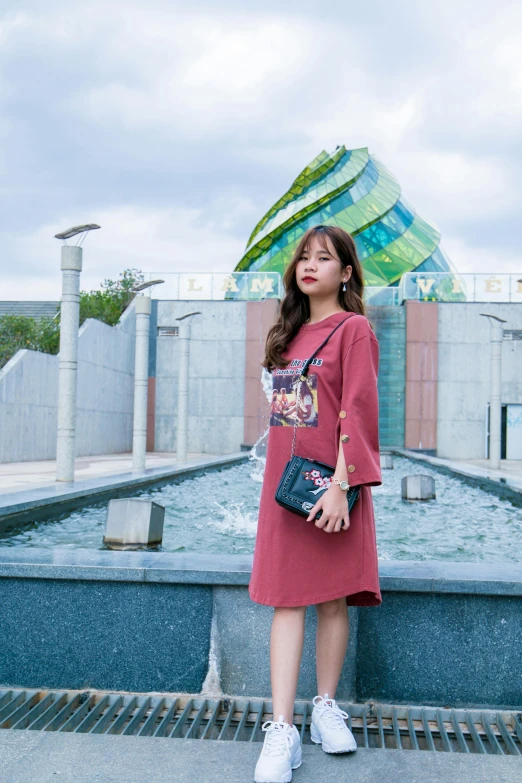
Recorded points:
(319, 272)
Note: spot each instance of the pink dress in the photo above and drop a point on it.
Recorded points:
(296, 563)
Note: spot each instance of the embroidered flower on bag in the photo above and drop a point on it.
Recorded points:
(320, 481)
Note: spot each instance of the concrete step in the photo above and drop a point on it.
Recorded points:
(49, 757)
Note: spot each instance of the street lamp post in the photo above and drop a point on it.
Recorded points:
(141, 376)
(183, 385)
(71, 265)
(495, 401)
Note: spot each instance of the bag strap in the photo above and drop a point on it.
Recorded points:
(306, 365)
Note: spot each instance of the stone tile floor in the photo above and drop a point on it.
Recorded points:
(16, 476)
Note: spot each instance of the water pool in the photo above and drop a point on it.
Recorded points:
(463, 523)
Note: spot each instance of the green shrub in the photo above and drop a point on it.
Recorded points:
(43, 334)
(112, 300)
(19, 331)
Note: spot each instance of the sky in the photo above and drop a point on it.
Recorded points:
(175, 126)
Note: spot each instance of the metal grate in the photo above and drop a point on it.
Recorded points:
(373, 725)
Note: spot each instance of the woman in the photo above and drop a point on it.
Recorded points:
(330, 562)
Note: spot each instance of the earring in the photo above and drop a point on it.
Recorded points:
(344, 287)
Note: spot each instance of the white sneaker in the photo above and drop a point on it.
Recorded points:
(328, 726)
(280, 754)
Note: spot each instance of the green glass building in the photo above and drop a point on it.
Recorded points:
(354, 190)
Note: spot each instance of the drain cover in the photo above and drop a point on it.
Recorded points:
(374, 725)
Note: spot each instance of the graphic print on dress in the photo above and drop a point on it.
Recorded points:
(285, 383)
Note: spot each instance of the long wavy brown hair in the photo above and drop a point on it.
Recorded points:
(295, 305)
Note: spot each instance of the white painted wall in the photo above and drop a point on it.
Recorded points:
(464, 375)
(216, 376)
(29, 394)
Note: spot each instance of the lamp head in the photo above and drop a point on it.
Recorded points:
(142, 286)
(72, 232)
(489, 315)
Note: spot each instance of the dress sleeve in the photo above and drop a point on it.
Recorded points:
(358, 419)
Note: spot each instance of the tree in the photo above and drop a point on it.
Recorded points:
(107, 305)
(112, 300)
(19, 331)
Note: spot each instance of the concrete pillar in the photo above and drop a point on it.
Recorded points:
(133, 523)
(183, 386)
(386, 461)
(495, 402)
(418, 486)
(71, 265)
(141, 380)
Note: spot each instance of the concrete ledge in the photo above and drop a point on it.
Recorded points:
(42, 502)
(508, 487)
(423, 576)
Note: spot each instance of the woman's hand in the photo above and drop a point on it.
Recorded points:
(334, 505)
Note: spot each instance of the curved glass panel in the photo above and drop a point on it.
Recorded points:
(354, 190)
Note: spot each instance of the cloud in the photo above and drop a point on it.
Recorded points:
(176, 127)
(460, 186)
(478, 259)
(157, 240)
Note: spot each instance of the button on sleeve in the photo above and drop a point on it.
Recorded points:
(359, 428)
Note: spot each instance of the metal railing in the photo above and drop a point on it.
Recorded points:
(243, 286)
(455, 287)
(420, 286)
(228, 285)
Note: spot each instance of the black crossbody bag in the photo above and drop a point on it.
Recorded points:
(298, 488)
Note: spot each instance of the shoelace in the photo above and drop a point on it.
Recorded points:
(331, 713)
(278, 739)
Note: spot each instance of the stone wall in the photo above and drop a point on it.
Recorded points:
(29, 395)
(446, 633)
